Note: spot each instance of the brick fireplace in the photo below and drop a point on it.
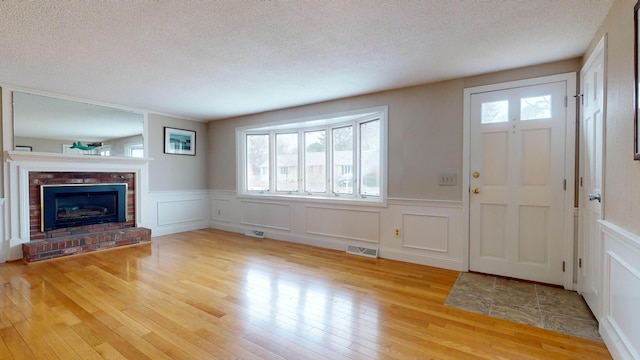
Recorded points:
(68, 240)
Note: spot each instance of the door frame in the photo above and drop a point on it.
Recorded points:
(569, 171)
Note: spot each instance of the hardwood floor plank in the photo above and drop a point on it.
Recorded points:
(141, 344)
(75, 342)
(15, 344)
(210, 294)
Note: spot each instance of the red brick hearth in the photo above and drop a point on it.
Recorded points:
(77, 244)
(81, 239)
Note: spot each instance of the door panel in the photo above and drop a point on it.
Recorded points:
(591, 164)
(516, 205)
(493, 230)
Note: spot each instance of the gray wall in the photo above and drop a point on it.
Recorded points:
(622, 174)
(425, 132)
(176, 172)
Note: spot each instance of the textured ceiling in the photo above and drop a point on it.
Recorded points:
(215, 59)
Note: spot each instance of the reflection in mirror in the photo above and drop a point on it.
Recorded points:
(46, 124)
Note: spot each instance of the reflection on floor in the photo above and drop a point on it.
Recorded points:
(526, 303)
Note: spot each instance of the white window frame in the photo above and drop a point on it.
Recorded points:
(326, 122)
(129, 148)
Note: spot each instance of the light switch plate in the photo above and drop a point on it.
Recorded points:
(447, 180)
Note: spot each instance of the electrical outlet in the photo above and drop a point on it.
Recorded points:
(447, 180)
(396, 233)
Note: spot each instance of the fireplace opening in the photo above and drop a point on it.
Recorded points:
(65, 206)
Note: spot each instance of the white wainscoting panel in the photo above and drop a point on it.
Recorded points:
(350, 224)
(620, 320)
(221, 209)
(426, 232)
(431, 230)
(177, 211)
(266, 214)
(4, 240)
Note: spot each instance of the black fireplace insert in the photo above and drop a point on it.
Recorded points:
(72, 205)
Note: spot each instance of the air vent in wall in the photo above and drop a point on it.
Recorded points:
(363, 251)
(255, 233)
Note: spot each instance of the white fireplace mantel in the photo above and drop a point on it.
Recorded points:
(18, 164)
(95, 160)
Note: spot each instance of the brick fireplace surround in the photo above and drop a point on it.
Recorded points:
(81, 239)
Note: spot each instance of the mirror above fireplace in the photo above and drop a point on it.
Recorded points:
(54, 125)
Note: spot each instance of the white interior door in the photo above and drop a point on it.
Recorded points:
(517, 182)
(590, 187)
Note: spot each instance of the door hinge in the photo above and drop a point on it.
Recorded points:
(580, 181)
(565, 184)
(566, 101)
(580, 262)
(563, 266)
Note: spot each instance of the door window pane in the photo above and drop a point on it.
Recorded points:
(287, 162)
(534, 108)
(370, 158)
(495, 112)
(257, 162)
(315, 160)
(342, 155)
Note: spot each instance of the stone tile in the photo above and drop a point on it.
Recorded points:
(516, 298)
(517, 314)
(587, 329)
(469, 302)
(479, 285)
(563, 302)
(515, 285)
(526, 303)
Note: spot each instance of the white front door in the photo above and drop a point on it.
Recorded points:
(590, 187)
(517, 181)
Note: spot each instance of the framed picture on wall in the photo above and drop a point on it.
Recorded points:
(23, 148)
(179, 141)
(636, 48)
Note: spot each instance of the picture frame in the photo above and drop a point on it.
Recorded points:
(636, 70)
(179, 141)
(24, 148)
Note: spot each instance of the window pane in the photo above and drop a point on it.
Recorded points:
(495, 112)
(342, 155)
(257, 162)
(137, 153)
(287, 162)
(533, 108)
(315, 160)
(370, 158)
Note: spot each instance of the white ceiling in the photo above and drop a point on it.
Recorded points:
(208, 60)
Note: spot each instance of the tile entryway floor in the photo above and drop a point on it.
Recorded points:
(524, 302)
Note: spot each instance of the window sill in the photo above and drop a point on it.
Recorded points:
(341, 200)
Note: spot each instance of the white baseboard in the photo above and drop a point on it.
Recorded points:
(422, 259)
(618, 347)
(178, 228)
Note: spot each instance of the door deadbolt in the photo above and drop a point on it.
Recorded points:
(476, 175)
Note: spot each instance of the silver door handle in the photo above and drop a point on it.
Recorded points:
(595, 197)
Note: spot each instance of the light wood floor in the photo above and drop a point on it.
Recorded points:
(214, 295)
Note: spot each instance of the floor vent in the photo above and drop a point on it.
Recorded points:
(255, 233)
(363, 251)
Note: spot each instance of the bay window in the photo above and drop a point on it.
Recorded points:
(338, 156)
